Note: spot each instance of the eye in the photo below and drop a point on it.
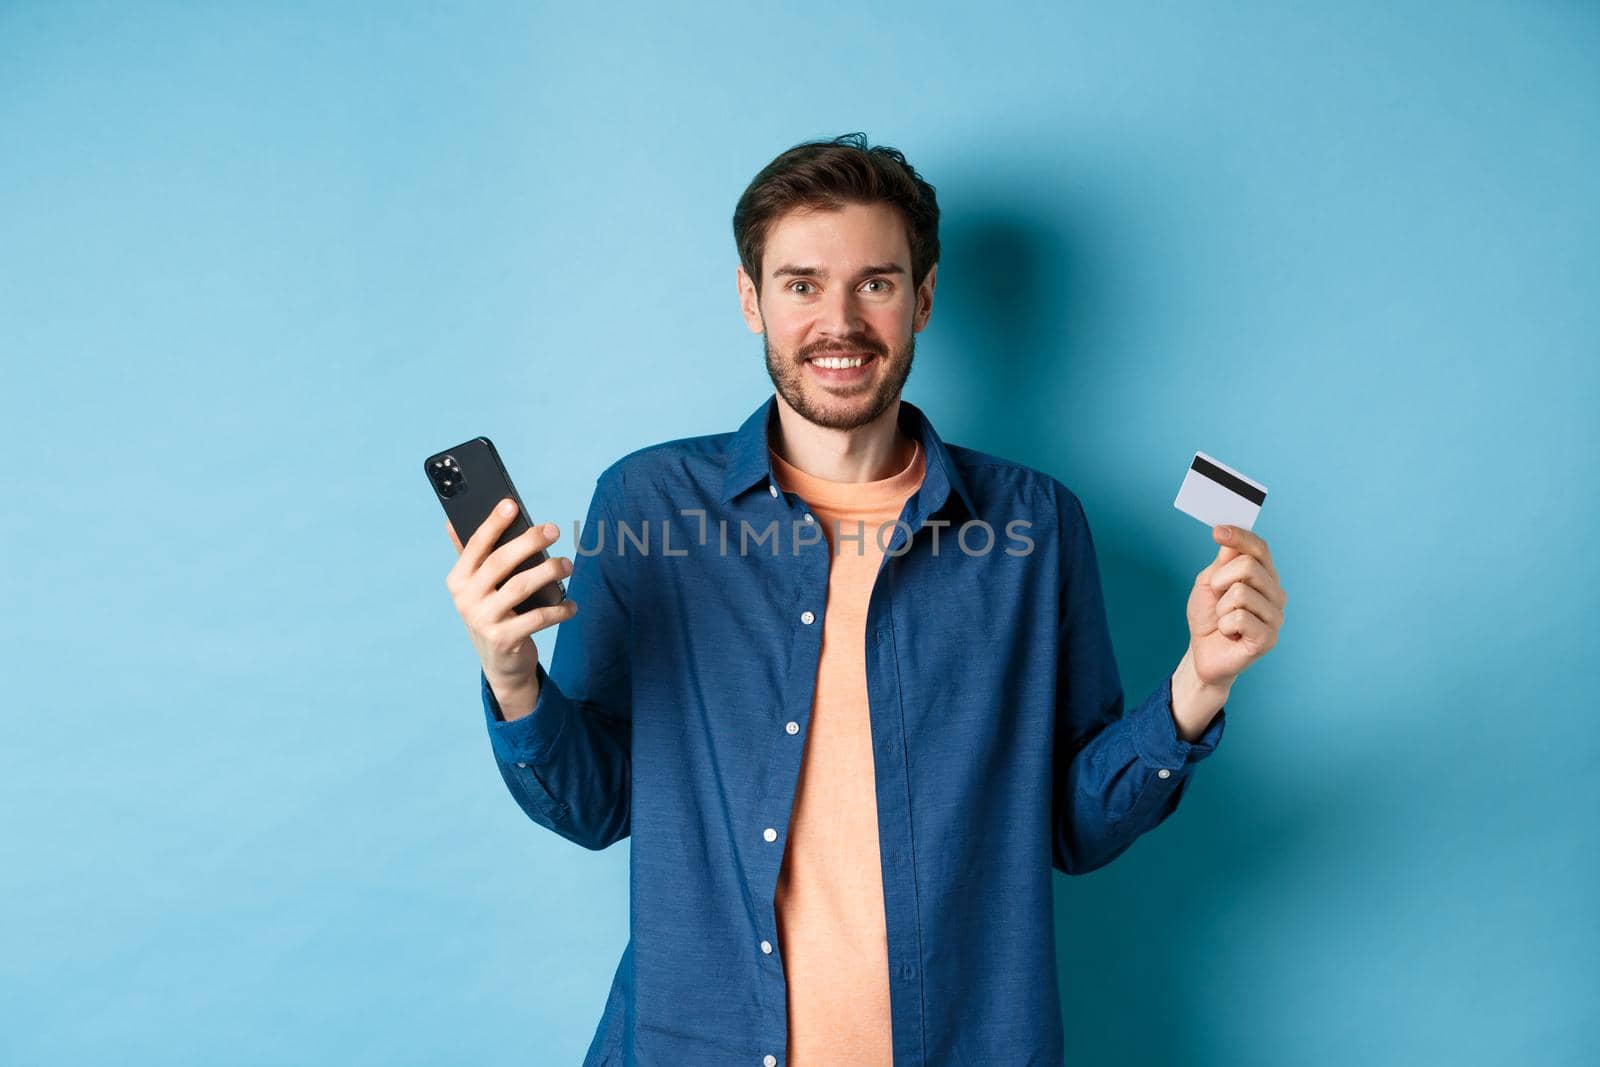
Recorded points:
(880, 281)
(793, 284)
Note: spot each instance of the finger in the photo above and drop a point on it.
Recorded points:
(1247, 543)
(484, 537)
(1245, 626)
(1243, 595)
(509, 556)
(1249, 570)
(1224, 554)
(519, 587)
(450, 528)
(525, 625)
(1207, 577)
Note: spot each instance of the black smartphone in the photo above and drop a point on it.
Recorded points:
(469, 481)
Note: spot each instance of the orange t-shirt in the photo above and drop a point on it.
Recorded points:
(829, 899)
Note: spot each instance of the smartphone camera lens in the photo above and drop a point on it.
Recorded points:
(446, 476)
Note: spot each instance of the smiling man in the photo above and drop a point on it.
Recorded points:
(858, 699)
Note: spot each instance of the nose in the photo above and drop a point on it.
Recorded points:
(840, 316)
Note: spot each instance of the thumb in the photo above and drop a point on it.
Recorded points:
(1224, 554)
(1219, 534)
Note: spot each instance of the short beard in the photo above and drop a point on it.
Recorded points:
(787, 371)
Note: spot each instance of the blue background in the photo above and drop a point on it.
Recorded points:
(256, 264)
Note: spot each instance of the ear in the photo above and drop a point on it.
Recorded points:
(925, 299)
(749, 304)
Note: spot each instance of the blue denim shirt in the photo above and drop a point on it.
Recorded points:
(675, 712)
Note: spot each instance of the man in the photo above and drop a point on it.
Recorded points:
(850, 689)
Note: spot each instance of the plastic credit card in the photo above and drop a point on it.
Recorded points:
(1218, 495)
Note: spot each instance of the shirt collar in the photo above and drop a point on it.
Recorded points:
(748, 463)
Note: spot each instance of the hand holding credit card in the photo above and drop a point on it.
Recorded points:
(1218, 495)
(1236, 605)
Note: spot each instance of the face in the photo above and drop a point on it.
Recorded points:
(838, 283)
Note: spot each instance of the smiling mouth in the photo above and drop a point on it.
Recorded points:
(838, 362)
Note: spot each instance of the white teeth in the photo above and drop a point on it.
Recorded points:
(833, 363)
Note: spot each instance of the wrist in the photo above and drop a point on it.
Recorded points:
(516, 696)
(1194, 702)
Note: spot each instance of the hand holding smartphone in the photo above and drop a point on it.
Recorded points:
(505, 584)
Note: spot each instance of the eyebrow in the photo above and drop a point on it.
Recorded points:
(817, 272)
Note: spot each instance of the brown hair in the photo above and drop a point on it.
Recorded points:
(830, 174)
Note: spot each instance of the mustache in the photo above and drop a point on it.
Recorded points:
(847, 352)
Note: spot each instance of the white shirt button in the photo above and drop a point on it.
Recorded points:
(1163, 773)
(770, 834)
(809, 518)
(792, 727)
(807, 618)
(769, 1060)
(772, 489)
(523, 765)
(766, 946)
